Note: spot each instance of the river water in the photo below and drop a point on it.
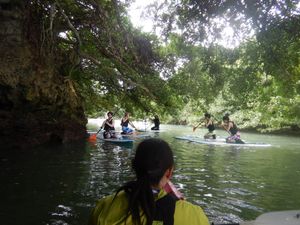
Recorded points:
(58, 185)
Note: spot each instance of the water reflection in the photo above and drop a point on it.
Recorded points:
(60, 184)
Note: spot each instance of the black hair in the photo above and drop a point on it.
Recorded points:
(225, 117)
(152, 158)
(110, 113)
(207, 115)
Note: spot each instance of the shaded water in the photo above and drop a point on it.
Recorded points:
(59, 184)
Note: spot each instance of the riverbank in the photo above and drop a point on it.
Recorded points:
(283, 131)
(95, 123)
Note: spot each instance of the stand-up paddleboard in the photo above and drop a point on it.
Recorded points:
(221, 142)
(194, 138)
(116, 140)
(151, 131)
(135, 135)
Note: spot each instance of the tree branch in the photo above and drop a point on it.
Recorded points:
(70, 25)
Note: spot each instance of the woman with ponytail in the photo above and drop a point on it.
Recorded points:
(144, 200)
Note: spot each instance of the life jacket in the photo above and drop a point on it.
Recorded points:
(165, 209)
(179, 212)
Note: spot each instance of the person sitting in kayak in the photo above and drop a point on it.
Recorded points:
(209, 124)
(144, 199)
(109, 126)
(232, 129)
(156, 123)
(125, 122)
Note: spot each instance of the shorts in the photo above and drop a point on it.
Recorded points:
(109, 134)
(210, 134)
(126, 130)
(234, 138)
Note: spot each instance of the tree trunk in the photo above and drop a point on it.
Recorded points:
(37, 104)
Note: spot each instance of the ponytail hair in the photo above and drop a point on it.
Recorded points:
(152, 158)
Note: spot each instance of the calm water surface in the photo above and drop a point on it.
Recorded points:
(58, 185)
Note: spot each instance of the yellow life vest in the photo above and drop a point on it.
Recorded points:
(110, 211)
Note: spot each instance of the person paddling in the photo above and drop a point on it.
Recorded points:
(209, 124)
(232, 129)
(125, 122)
(144, 200)
(109, 126)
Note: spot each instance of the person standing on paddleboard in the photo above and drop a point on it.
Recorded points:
(144, 200)
(209, 124)
(232, 129)
(109, 126)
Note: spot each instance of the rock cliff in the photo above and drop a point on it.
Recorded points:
(38, 104)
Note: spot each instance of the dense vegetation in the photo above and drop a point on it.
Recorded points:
(258, 81)
(113, 65)
(185, 72)
(182, 72)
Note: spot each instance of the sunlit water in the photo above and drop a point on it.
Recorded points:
(58, 185)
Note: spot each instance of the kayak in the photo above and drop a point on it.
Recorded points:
(290, 217)
(221, 142)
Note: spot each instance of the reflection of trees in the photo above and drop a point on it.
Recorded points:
(34, 182)
(109, 168)
(274, 175)
(211, 177)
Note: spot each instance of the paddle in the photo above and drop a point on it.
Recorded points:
(194, 128)
(170, 188)
(146, 128)
(99, 130)
(238, 141)
(219, 122)
(93, 137)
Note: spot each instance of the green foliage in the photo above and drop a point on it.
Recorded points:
(256, 83)
(115, 67)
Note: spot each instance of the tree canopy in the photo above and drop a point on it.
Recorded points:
(184, 70)
(113, 65)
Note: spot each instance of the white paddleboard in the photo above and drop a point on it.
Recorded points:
(135, 135)
(221, 142)
(116, 140)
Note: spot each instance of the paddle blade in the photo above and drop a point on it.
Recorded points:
(194, 128)
(170, 188)
(92, 137)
